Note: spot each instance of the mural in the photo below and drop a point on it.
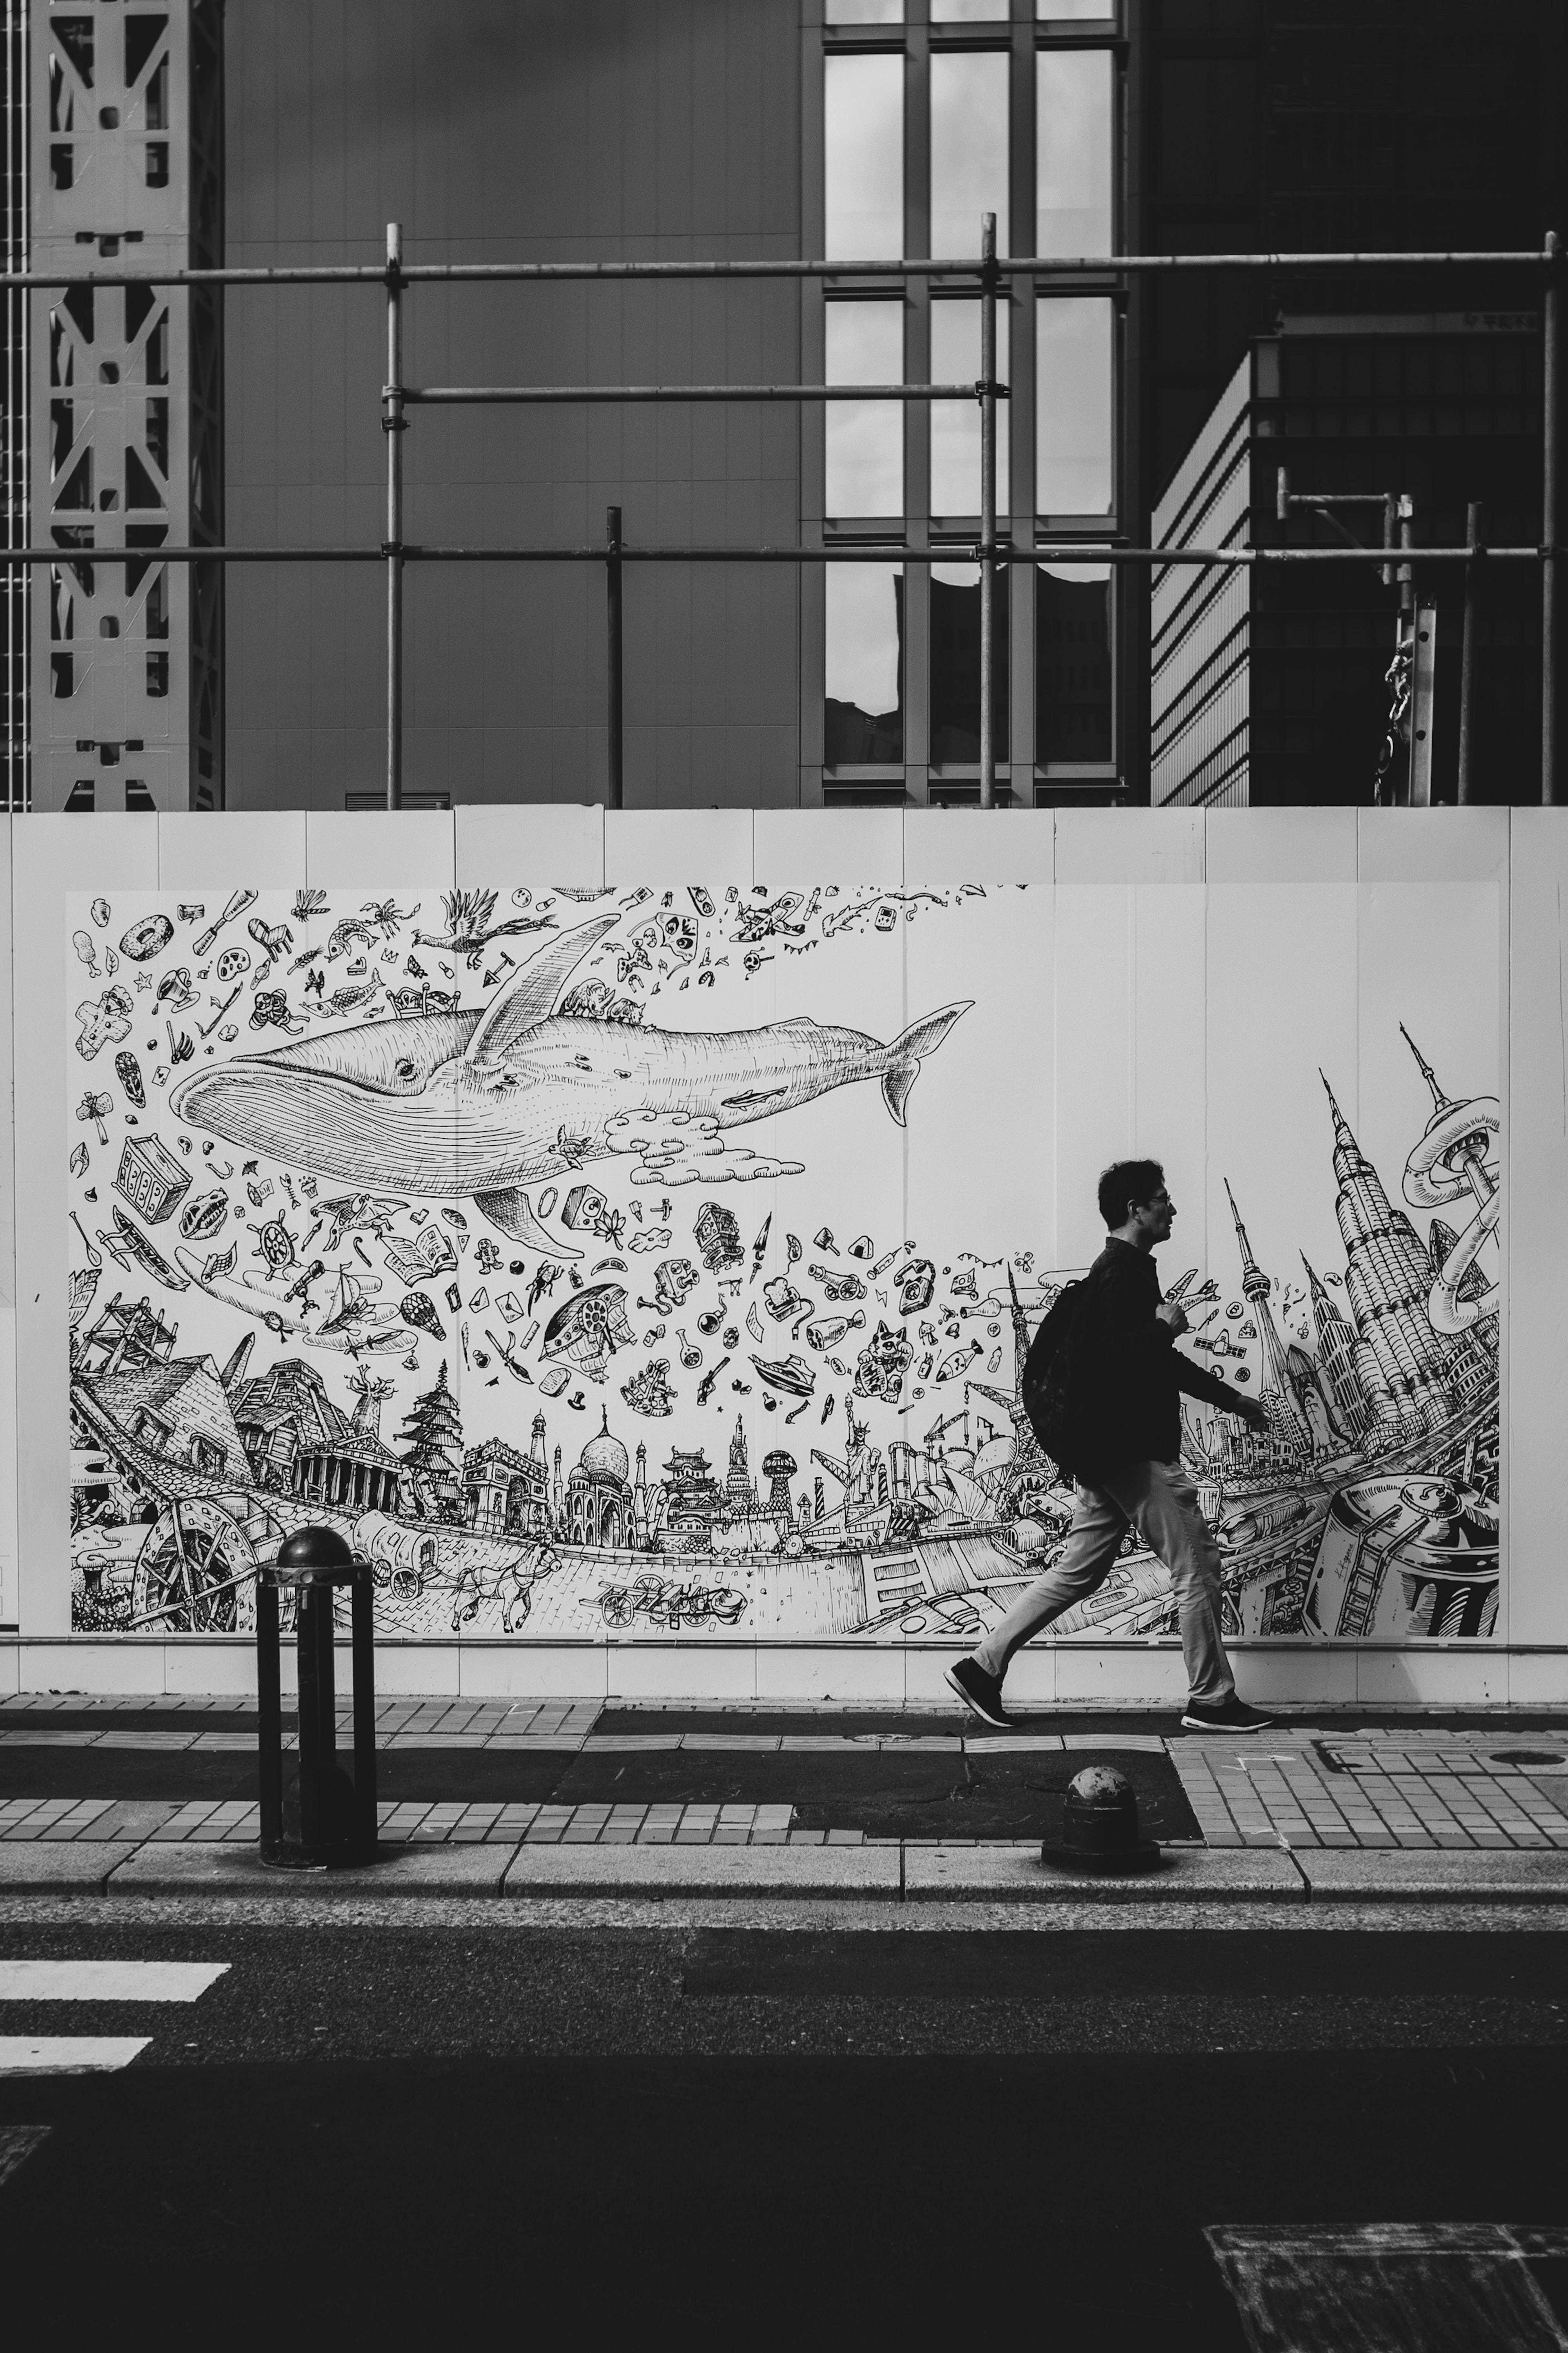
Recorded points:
(569, 1254)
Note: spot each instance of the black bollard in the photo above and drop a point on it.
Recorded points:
(1100, 1826)
(322, 1816)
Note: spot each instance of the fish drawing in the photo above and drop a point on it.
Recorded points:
(480, 1104)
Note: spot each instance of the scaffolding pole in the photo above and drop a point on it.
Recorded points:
(992, 274)
(394, 424)
(1550, 399)
(987, 510)
(1474, 527)
(1082, 551)
(615, 772)
(527, 273)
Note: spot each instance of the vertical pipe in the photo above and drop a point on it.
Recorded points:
(613, 651)
(392, 423)
(1406, 577)
(317, 1730)
(365, 1822)
(1551, 397)
(1473, 526)
(987, 508)
(268, 1714)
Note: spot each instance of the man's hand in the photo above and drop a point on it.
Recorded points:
(1251, 1412)
(1169, 1312)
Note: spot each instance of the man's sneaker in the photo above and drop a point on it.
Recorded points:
(981, 1694)
(1231, 1714)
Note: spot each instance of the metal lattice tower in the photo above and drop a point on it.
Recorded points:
(126, 440)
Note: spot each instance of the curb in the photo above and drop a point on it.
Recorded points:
(1016, 1875)
(885, 1873)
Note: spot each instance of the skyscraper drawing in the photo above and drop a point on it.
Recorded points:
(1387, 1279)
(1336, 1346)
(1288, 1421)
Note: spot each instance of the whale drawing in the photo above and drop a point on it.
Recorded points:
(480, 1104)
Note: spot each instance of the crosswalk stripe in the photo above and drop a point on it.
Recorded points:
(1343, 2289)
(68, 2055)
(107, 1980)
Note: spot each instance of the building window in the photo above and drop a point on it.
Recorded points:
(863, 714)
(863, 150)
(1073, 676)
(955, 665)
(968, 149)
(864, 343)
(1072, 405)
(1074, 98)
(955, 424)
(899, 638)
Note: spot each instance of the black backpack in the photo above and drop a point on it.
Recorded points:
(1052, 1388)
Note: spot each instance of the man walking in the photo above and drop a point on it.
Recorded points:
(1128, 1383)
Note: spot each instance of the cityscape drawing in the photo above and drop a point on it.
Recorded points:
(511, 1239)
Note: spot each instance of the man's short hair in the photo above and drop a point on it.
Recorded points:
(1125, 1181)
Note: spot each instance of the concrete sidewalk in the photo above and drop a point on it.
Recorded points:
(1492, 1784)
(888, 1871)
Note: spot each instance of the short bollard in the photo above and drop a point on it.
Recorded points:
(322, 1816)
(1100, 1826)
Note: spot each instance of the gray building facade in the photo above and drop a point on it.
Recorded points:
(289, 134)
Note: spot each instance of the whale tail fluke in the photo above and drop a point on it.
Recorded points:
(512, 1212)
(905, 1053)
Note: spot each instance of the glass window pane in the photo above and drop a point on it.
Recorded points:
(956, 664)
(955, 424)
(968, 150)
(1073, 91)
(1075, 11)
(1072, 661)
(1072, 405)
(970, 12)
(863, 127)
(864, 12)
(865, 439)
(863, 716)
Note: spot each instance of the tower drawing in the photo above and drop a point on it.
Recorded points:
(1450, 1165)
(1288, 1421)
(779, 1468)
(1387, 1279)
(739, 1494)
(1336, 1352)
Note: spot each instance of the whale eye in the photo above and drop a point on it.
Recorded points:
(405, 1068)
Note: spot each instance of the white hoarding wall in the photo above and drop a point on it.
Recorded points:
(643, 1262)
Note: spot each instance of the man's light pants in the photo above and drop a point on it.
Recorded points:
(1160, 1502)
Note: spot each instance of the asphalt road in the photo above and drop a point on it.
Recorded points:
(407, 2117)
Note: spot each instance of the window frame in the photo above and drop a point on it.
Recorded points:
(916, 539)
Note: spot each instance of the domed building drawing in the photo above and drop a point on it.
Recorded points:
(598, 1508)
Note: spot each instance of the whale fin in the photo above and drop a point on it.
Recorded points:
(532, 995)
(513, 1213)
(905, 1053)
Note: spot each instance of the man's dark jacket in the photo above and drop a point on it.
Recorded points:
(1128, 1378)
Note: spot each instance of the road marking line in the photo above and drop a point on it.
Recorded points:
(107, 1980)
(17, 2142)
(68, 2055)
